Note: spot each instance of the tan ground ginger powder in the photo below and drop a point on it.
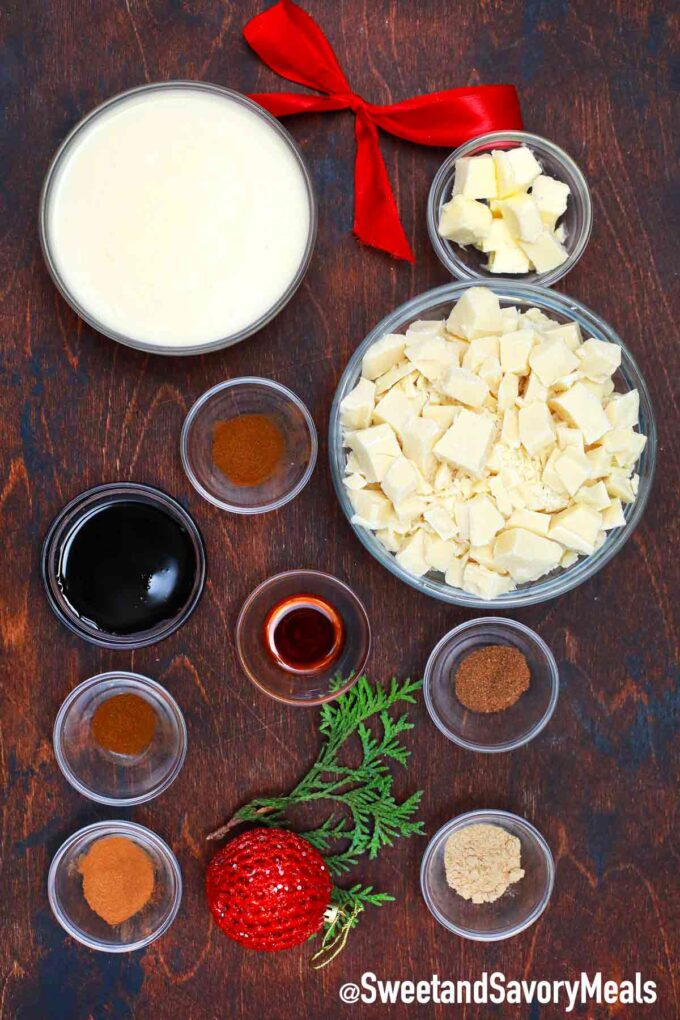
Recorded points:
(481, 861)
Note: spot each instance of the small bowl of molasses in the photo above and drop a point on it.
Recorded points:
(123, 565)
(120, 738)
(249, 445)
(491, 684)
(303, 637)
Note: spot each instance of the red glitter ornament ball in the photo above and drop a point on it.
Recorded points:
(268, 889)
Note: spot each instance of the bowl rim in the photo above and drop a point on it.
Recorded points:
(140, 639)
(190, 420)
(114, 827)
(444, 249)
(325, 698)
(146, 345)
(159, 693)
(555, 584)
(491, 816)
(452, 638)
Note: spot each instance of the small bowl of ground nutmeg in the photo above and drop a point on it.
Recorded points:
(491, 684)
(115, 886)
(120, 738)
(249, 445)
(487, 875)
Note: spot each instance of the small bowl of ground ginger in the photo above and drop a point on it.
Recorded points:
(487, 875)
(491, 684)
(115, 886)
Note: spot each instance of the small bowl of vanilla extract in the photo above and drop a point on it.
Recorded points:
(123, 565)
(303, 637)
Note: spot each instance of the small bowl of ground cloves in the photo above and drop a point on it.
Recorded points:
(491, 685)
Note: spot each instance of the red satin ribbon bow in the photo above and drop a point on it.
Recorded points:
(289, 41)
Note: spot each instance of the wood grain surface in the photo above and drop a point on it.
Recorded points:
(601, 782)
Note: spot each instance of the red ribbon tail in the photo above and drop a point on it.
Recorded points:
(376, 217)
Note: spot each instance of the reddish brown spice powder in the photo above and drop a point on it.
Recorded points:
(118, 878)
(492, 678)
(247, 448)
(124, 724)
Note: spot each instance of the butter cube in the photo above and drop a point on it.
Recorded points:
(484, 521)
(383, 355)
(394, 409)
(536, 429)
(418, 438)
(411, 556)
(508, 391)
(515, 348)
(525, 555)
(570, 332)
(509, 260)
(477, 313)
(485, 583)
(465, 221)
(357, 407)
(551, 197)
(581, 408)
(438, 553)
(371, 508)
(577, 527)
(530, 520)
(594, 495)
(401, 480)
(624, 409)
(475, 177)
(468, 442)
(464, 386)
(375, 449)
(573, 469)
(442, 522)
(599, 359)
(551, 359)
(393, 376)
(521, 214)
(613, 516)
(499, 236)
(545, 251)
(506, 183)
(525, 167)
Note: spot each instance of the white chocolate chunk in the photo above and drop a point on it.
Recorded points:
(383, 355)
(477, 313)
(465, 220)
(570, 332)
(536, 428)
(545, 252)
(442, 522)
(393, 376)
(375, 449)
(530, 520)
(354, 481)
(551, 359)
(475, 177)
(401, 480)
(427, 327)
(594, 495)
(599, 359)
(418, 439)
(551, 198)
(623, 409)
(431, 356)
(411, 556)
(439, 553)
(464, 386)
(454, 573)
(442, 414)
(467, 443)
(510, 428)
(573, 469)
(515, 349)
(485, 583)
(357, 407)
(525, 555)
(391, 539)
(371, 508)
(577, 527)
(613, 516)
(394, 409)
(581, 408)
(484, 521)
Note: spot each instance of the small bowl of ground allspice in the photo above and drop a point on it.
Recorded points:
(491, 684)
(115, 886)
(120, 738)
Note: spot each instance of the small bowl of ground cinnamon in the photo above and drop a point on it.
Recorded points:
(120, 738)
(491, 684)
(115, 886)
(249, 445)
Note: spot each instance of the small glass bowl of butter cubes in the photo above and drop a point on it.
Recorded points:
(509, 205)
(492, 445)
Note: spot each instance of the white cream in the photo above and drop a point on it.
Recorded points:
(179, 216)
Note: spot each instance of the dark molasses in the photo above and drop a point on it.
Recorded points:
(304, 634)
(126, 567)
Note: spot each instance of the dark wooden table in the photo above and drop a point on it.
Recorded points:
(601, 783)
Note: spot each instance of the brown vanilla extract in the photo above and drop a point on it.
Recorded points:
(304, 634)
(126, 567)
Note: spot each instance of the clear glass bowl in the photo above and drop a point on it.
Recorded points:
(249, 395)
(62, 527)
(303, 689)
(436, 304)
(466, 263)
(108, 777)
(74, 137)
(494, 731)
(65, 891)
(517, 909)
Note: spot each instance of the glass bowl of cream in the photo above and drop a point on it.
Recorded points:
(178, 218)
